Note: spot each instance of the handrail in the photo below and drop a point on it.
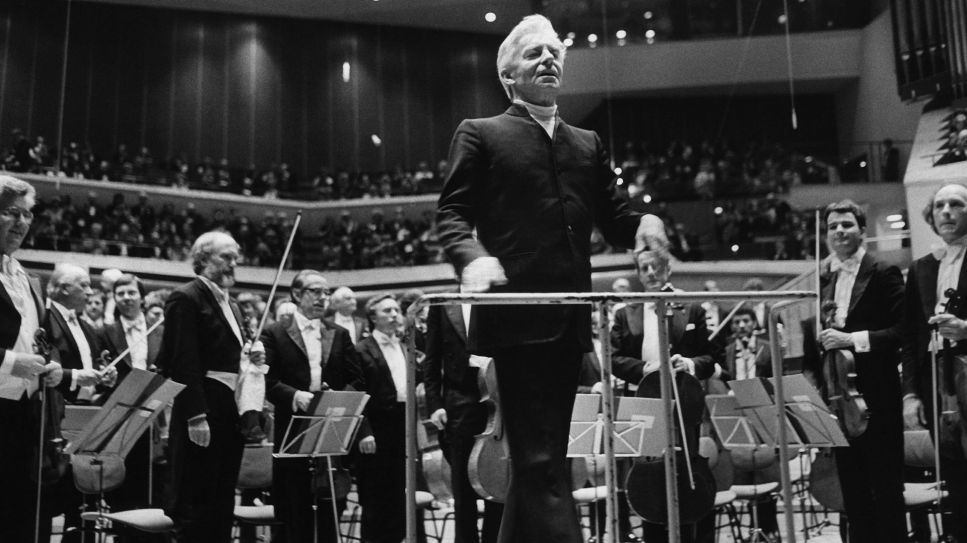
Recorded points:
(579, 298)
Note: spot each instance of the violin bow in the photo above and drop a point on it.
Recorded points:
(678, 407)
(721, 325)
(819, 286)
(278, 274)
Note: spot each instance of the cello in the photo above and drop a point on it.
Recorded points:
(489, 464)
(696, 483)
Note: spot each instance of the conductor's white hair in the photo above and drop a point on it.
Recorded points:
(529, 25)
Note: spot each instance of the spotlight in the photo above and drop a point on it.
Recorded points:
(718, 210)
(646, 198)
(735, 248)
(568, 42)
(377, 141)
(621, 34)
(649, 15)
(345, 72)
(618, 170)
(620, 181)
(490, 17)
(650, 34)
(894, 217)
(592, 38)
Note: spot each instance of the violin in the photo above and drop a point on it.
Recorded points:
(489, 464)
(839, 387)
(49, 460)
(436, 469)
(647, 475)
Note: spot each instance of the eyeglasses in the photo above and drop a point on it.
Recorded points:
(318, 292)
(15, 212)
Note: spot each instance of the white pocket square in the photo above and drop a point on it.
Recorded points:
(690, 326)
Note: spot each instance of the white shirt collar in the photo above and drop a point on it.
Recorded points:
(138, 322)
(219, 293)
(304, 323)
(66, 313)
(385, 339)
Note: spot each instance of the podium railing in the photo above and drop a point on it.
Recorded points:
(661, 300)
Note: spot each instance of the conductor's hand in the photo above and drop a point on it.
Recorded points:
(53, 373)
(651, 229)
(949, 326)
(439, 418)
(86, 377)
(27, 366)
(835, 339)
(367, 445)
(199, 432)
(480, 274)
(913, 415)
(302, 400)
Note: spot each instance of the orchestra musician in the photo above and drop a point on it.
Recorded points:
(342, 305)
(634, 340)
(129, 330)
(928, 280)
(381, 466)
(306, 356)
(201, 348)
(869, 304)
(531, 186)
(453, 400)
(21, 371)
(77, 346)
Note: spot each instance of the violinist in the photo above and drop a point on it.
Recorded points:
(21, 371)
(634, 339)
(77, 346)
(928, 281)
(202, 348)
(306, 357)
(869, 301)
(128, 332)
(381, 466)
(453, 400)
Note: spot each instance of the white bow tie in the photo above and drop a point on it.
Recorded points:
(850, 265)
(389, 341)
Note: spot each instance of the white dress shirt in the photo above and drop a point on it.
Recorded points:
(84, 348)
(312, 337)
(228, 379)
(14, 280)
(347, 322)
(395, 359)
(948, 274)
(745, 358)
(134, 334)
(846, 271)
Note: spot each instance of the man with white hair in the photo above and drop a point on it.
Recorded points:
(21, 371)
(343, 306)
(108, 277)
(202, 348)
(532, 187)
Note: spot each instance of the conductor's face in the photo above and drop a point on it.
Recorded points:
(313, 297)
(220, 268)
(538, 69)
(950, 212)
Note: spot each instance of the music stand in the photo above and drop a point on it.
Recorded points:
(327, 431)
(111, 432)
(748, 419)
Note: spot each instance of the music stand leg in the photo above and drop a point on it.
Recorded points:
(315, 500)
(332, 497)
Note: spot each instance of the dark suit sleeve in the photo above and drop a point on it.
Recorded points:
(182, 351)
(433, 363)
(695, 343)
(625, 365)
(891, 294)
(590, 373)
(618, 223)
(365, 428)
(355, 380)
(276, 391)
(909, 350)
(456, 216)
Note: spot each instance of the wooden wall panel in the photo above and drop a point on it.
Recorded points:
(256, 90)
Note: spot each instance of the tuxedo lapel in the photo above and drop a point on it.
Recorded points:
(863, 275)
(120, 342)
(296, 336)
(38, 299)
(61, 323)
(210, 297)
(154, 345)
(327, 335)
(636, 319)
(455, 314)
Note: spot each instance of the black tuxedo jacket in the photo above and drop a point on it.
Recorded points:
(533, 201)
(876, 305)
(688, 337)
(919, 304)
(382, 407)
(285, 353)
(113, 339)
(10, 318)
(763, 358)
(197, 339)
(450, 381)
(63, 342)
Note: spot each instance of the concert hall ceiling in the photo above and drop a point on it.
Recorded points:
(458, 15)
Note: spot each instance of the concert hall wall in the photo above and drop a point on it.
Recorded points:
(256, 90)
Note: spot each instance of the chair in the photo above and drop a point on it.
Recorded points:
(920, 497)
(255, 475)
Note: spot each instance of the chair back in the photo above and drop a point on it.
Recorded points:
(256, 471)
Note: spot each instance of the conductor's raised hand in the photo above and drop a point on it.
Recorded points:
(302, 400)
(481, 274)
(439, 418)
(651, 231)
